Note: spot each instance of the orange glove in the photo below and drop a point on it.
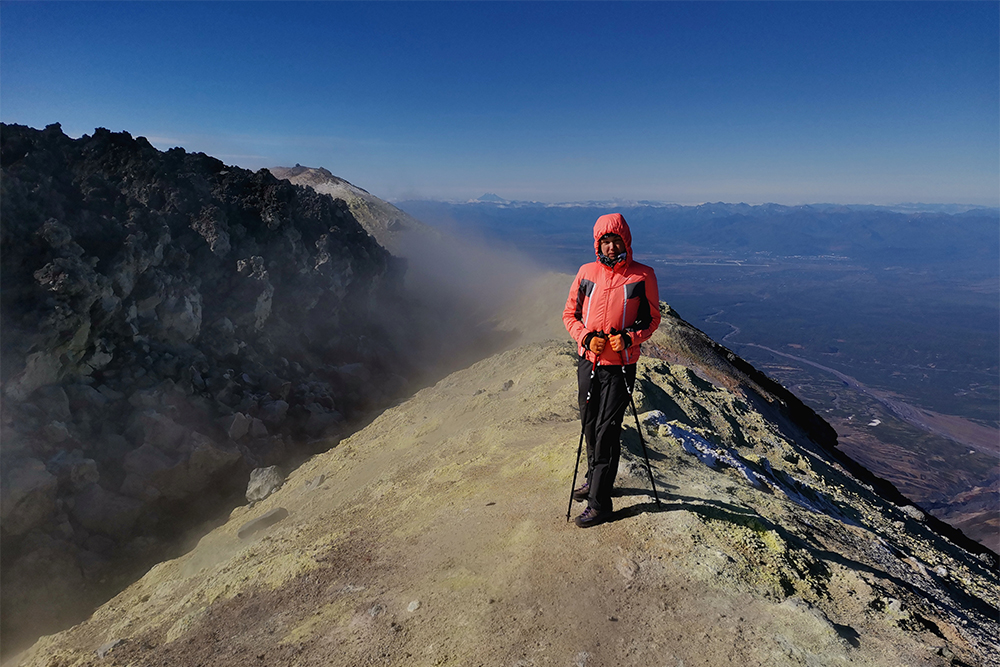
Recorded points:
(597, 344)
(619, 341)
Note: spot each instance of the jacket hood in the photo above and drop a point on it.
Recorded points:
(613, 223)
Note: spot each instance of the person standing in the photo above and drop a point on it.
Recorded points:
(613, 306)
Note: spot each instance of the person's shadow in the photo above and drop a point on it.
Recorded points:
(669, 502)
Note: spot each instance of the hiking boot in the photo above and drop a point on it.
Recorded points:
(591, 517)
(581, 492)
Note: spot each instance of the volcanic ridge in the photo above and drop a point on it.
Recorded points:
(419, 527)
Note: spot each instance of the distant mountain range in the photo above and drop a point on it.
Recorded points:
(724, 207)
(961, 236)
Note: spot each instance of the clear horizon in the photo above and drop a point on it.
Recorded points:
(696, 203)
(791, 103)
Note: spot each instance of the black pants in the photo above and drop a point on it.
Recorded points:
(602, 425)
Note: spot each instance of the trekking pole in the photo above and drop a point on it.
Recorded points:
(638, 428)
(583, 427)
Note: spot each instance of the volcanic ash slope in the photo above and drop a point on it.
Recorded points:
(438, 536)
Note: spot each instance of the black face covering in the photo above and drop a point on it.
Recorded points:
(614, 259)
(611, 261)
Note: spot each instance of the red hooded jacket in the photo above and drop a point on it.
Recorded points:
(624, 297)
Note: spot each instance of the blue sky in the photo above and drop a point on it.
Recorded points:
(790, 102)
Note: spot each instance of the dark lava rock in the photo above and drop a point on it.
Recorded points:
(157, 309)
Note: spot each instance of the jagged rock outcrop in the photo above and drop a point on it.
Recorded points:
(169, 323)
(394, 229)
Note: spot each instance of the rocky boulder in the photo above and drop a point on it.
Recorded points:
(264, 482)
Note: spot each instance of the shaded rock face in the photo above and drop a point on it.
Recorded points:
(169, 324)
